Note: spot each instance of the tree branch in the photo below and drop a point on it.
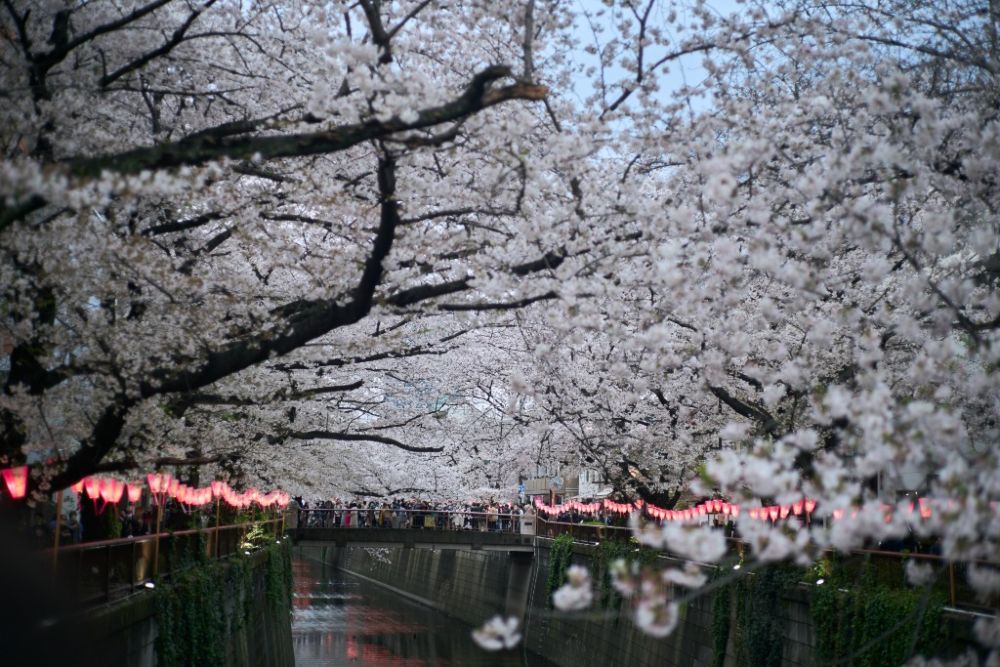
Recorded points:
(361, 437)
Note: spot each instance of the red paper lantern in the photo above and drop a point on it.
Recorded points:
(717, 505)
(838, 515)
(726, 508)
(810, 505)
(772, 512)
(155, 482)
(134, 492)
(111, 491)
(16, 480)
(159, 484)
(734, 510)
(92, 485)
(925, 508)
(78, 487)
(785, 510)
(797, 507)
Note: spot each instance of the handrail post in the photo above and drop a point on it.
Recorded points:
(951, 582)
(55, 549)
(107, 572)
(156, 543)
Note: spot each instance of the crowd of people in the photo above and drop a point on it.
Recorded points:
(489, 515)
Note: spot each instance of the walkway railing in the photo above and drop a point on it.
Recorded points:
(409, 519)
(888, 566)
(108, 569)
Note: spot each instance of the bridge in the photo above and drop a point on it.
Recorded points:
(423, 538)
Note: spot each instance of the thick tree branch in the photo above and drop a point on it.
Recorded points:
(752, 412)
(361, 437)
(199, 148)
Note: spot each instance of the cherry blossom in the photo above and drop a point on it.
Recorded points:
(497, 634)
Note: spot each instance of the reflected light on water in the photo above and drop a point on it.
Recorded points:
(341, 621)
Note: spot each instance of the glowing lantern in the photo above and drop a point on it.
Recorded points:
(838, 515)
(155, 483)
(726, 508)
(172, 485)
(702, 510)
(158, 486)
(93, 487)
(78, 487)
(925, 508)
(111, 491)
(753, 512)
(16, 480)
(810, 505)
(797, 507)
(734, 510)
(217, 487)
(717, 505)
(785, 510)
(772, 512)
(134, 492)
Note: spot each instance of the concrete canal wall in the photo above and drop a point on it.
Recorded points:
(474, 585)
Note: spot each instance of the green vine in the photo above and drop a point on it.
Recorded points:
(869, 623)
(279, 577)
(721, 607)
(759, 637)
(560, 558)
(203, 606)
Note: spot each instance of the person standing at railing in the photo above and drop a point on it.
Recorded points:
(74, 527)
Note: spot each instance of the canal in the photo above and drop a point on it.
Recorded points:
(341, 620)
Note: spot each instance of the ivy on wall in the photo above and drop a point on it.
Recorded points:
(759, 634)
(721, 613)
(205, 605)
(560, 558)
(862, 616)
(864, 622)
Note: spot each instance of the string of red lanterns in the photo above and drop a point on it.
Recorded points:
(709, 507)
(774, 513)
(109, 491)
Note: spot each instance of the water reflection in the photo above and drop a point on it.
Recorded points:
(341, 620)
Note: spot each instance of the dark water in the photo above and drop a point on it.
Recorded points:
(340, 620)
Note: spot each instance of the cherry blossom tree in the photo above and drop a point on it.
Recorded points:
(183, 208)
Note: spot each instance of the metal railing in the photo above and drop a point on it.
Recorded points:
(888, 567)
(96, 572)
(411, 519)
